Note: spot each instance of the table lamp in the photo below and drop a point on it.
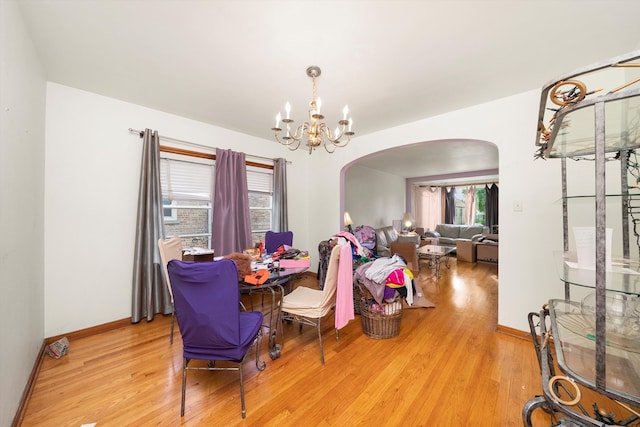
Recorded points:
(348, 222)
(407, 222)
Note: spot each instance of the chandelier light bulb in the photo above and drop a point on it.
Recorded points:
(318, 104)
(350, 123)
(287, 109)
(278, 117)
(345, 111)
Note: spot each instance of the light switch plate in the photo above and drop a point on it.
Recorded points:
(517, 205)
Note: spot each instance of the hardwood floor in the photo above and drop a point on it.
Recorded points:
(447, 367)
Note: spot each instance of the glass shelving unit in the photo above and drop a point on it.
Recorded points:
(593, 114)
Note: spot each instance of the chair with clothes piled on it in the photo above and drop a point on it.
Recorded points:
(308, 306)
(207, 301)
(170, 249)
(273, 240)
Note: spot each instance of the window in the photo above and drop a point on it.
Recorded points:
(187, 182)
(461, 196)
(186, 188)
(260, 183)
(170, 214)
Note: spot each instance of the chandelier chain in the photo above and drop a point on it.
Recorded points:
(315, 91)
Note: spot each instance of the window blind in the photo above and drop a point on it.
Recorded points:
(193, 180)
(260, 180)
(185, 180)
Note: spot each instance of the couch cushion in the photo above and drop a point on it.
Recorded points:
(468, 231)
(381, 238)
(392, 236)
(447, 241)
(449, 230)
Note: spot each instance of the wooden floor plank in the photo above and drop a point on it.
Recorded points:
(447, 367)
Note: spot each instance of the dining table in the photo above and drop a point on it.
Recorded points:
(275, 286)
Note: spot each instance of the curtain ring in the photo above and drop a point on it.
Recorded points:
(553, 380)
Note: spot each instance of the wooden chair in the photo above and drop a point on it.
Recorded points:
(170, 249)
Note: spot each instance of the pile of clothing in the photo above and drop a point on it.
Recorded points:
(357, 250)
(387, 278)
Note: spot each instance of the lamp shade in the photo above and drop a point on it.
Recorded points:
(407, 221)
(347, 219)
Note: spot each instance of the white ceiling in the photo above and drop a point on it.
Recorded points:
(444, 161)
(234, 63)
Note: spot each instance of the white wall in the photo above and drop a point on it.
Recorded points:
(92, 173)
(372, 197)
(22, 103)
(527, 238)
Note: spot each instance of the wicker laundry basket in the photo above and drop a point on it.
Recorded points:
(378, 321)
(357, 298)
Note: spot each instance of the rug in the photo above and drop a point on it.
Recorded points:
(419, 300)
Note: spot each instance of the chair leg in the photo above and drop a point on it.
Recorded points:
(320, 339)
(244, 412)
(184, 385)
(260, 365)
(173, 321)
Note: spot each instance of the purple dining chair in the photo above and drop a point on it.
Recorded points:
(273, 240)
(207, 304)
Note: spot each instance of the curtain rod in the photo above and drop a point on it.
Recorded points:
(459, 184)
(193, 144)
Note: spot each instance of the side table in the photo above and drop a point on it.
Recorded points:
(409, 237)
(487, 252)
(466, 250)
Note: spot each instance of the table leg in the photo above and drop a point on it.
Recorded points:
(275, 349)
(446, 262)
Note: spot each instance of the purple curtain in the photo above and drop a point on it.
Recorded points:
(231, 226)
(150, 294)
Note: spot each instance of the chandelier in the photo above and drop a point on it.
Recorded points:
(314, 131)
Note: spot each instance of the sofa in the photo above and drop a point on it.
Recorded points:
(384, 237)
(387, 235)
(450, 234)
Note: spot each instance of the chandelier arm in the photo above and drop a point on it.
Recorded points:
(336, 142)
(299, 133)
(326, 148)
(292, 142)
(297, 137)
(342, 144)
(285, 142)
(294, 147)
